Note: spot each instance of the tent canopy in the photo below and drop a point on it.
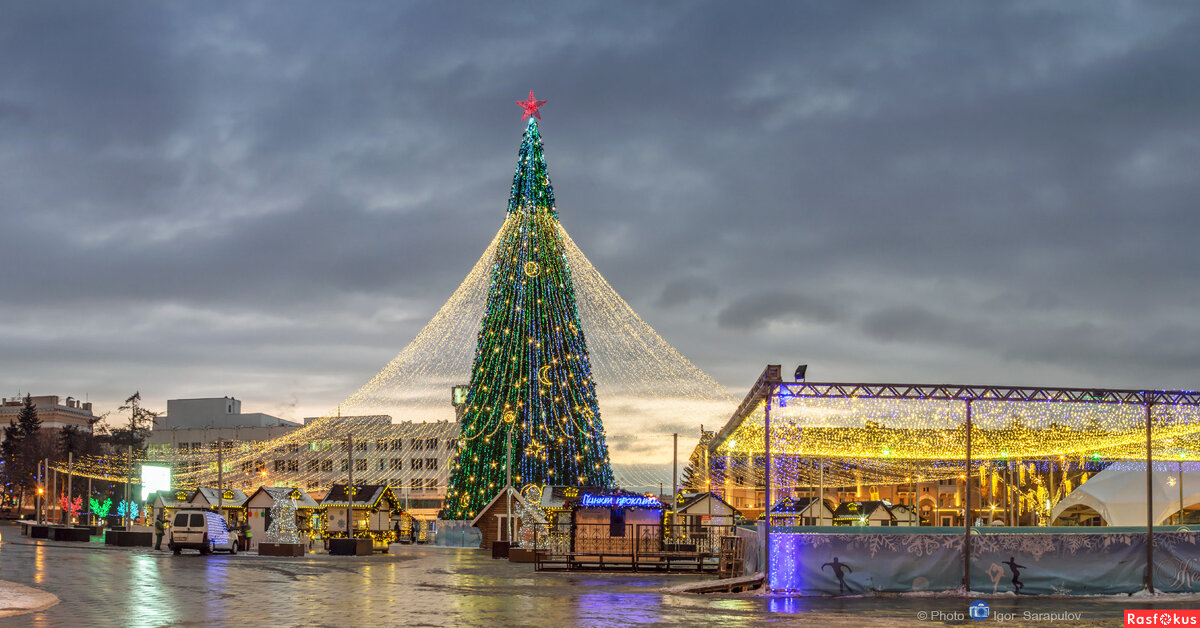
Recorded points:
(1119, 495)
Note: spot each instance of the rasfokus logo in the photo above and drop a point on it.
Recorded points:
(979, 610)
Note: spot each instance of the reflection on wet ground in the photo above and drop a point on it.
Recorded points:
(425, 586)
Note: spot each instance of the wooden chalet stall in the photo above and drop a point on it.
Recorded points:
(373, 507)
(262, 501)
(702, 509)
(167, 502)
(616, 523)
(230, 503)
(905, 515)
(492, 521)
(802, 511)
(864, 513)
(618, 530)
(557, 504)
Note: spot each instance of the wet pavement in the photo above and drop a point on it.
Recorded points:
(429, 586)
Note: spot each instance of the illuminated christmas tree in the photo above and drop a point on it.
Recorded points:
(531, 374)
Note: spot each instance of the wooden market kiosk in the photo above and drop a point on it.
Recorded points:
(167, 502)
(371, 507)
(616, 522)
(261, 503)
(230, 503)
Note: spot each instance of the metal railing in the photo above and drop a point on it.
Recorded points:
(628, 546)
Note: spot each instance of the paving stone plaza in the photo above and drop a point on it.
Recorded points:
(429, 586)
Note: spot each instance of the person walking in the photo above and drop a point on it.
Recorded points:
(247, 534)
(160, 527)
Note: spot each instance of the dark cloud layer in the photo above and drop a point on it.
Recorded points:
(269, 199)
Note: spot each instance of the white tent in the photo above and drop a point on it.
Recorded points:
(1119, 495)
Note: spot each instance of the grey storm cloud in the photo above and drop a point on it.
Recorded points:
(270, 199)
(760, 310)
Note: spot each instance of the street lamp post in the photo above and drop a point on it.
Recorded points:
(508, 481)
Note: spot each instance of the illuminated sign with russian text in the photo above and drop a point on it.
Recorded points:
(618, 501)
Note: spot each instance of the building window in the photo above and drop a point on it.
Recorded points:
(416, 484)
(344, 466)
(417, 444)
(360, 464)
(381, 464)
(313, 485)
(247, 467)
(360, 445)
(397, 464)
(182, 446)
(381, 444)
(415, 464)
(279, 465)
(431, 463)
(327, 465)
(396, 443)
(451, 443)
(314, 466)
(431, 443)
(431, 484)
(293, 465)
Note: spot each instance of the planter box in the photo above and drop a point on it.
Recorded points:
(518, 555)
(282, 549)
(70, 534)
(39, 532)
(92, 530)
(350, 547)
(122, 538)
(500, 549)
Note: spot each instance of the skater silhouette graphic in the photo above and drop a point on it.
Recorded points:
(837, 571)
(1016, 571)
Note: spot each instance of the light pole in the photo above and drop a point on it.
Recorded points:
(508, 481)
(220, 477)
(675, 480)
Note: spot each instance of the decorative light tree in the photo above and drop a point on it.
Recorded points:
(100, 510)
(70, 506)
(283, 522)
(531, 377)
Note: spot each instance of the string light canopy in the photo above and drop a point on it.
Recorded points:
(897, 432)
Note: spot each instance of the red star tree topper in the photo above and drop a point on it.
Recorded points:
(531, 106)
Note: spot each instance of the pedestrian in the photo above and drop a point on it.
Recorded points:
(160, 526)
(247, 534)
(396, 532)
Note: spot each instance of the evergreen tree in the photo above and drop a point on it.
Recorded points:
(138, 429)
(22, 450)
(695, 477)
(531, 373)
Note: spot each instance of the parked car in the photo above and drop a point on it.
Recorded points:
(203, 530)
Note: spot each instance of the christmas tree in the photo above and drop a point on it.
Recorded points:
(531, 379)
(283, 522)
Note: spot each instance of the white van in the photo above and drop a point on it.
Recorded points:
(200, 529)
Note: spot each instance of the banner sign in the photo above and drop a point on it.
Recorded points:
(1037, 563)
(618, 501)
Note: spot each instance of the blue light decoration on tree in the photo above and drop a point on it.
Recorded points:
(531, 372)
(126, 509)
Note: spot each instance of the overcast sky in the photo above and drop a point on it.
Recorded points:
(269, 200)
